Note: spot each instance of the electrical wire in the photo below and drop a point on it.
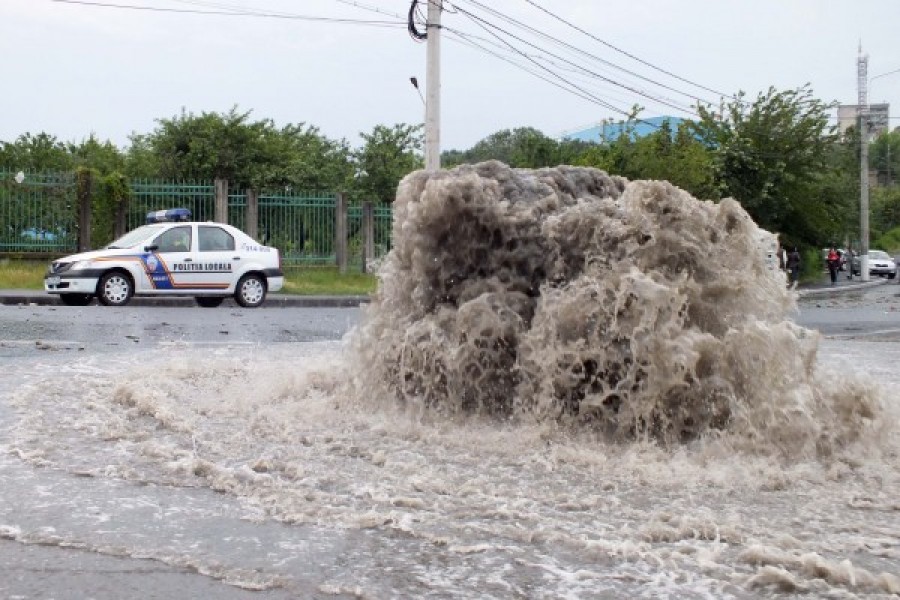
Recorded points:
(502, 52)
(487, 26)
(467, 41)
(233, 13)
(583, 53)
(584, 93)
(628, 54)
(414, 33)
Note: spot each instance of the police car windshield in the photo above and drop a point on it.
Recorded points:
(133, 238)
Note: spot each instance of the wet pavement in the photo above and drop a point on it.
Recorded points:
(39, 297)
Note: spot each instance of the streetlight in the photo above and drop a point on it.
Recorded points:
(415, 84)
(865, 114)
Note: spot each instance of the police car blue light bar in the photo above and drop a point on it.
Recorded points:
(169, 216)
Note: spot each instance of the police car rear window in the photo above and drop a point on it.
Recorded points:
(214, 239)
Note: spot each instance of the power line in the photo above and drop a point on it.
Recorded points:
(411, 28)
(585, 53)
(502, 52)
(582, 91)
(628, 54)
(466, 40)
(233, 13)
(484, 24)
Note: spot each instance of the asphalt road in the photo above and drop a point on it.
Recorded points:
(25, 329)
(870, 313)
(32, 334)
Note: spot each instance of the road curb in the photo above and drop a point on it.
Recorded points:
(27, 298)
(837, 289)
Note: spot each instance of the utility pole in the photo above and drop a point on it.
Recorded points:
(862, 75)
(433, 87)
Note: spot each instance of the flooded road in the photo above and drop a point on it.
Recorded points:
(555, 393)
(178, 464)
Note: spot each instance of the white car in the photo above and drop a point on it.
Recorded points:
(880, 263)
(170, 256)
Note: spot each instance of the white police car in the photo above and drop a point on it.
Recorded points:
(170, 255)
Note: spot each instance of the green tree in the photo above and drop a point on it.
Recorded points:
(35, 153)
(771, 155)
(311, 161)
(247, 153)
(104, 157)
(387, 155)
(677, 157)
(212, 145)
(524, 147)
(884, 157)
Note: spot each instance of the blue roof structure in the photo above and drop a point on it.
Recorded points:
(611, 131)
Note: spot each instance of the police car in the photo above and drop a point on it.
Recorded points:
(170, 256)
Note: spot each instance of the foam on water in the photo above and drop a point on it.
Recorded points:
(627, 308)
(462, 508)
(569, 385)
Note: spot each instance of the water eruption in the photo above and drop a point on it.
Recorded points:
(626, 307)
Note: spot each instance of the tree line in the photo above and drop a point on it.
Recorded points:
(776, 154)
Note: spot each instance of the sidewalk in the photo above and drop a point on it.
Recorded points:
(824, 287)
(39, 297)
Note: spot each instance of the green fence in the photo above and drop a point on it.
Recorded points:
(37, 214)
(40, 215)
(382, 221)
(149, 195)
(383, 216)
(301, 226)
(237, 210)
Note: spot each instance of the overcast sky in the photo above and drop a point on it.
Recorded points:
(74, 69)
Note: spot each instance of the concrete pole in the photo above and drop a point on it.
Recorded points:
(340, 233)
(221, 204)
(368, 231)
(864, 196)
(862, 84)
(433, 87)
(251, 218)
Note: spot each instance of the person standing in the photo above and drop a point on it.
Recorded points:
(793, 265)
(834, 263)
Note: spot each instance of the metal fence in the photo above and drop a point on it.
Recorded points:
(302, 226)
(149, 195)
(37, 214)
(40, 215)
(237, 210)
(382, 221)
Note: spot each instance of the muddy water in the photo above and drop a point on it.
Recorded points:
(569, 385)
(252, 472)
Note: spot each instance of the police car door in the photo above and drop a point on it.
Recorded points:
(216, 254)
(171, 265)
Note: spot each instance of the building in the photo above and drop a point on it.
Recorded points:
(879, 118)
(609, 130)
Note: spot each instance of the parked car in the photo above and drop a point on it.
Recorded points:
(170, 256)
(880, 263)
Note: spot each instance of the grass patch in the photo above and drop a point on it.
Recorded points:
(324, 281)
(22, 274)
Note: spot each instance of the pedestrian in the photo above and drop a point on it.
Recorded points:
(793, 265)
(834, 263)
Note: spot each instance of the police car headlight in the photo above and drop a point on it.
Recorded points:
(81, 264)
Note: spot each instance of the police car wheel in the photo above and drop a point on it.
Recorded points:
(250, 291)
(76, 299)
(115, 289)
(209, 301)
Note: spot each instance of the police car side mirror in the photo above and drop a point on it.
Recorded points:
(151, 248)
